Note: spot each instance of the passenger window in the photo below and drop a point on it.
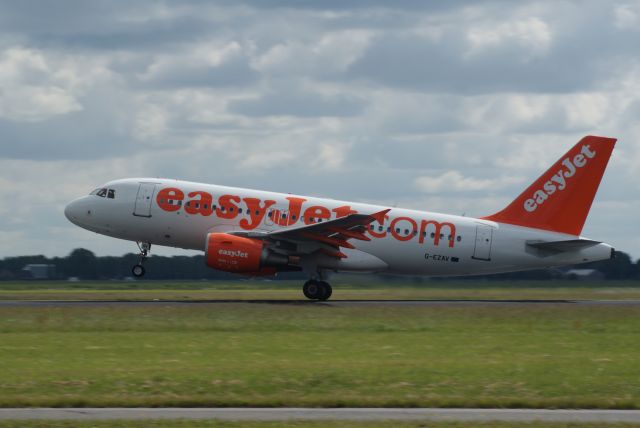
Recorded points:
(111, 194)
(239, 210)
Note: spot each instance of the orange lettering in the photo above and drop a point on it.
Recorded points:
(256, 212)
(344, 211)
(292, 214)
(396, 234)
(170, 194)
(227, 208)
(203, 206)
(437, 232)
(315, 212)
(382, 234)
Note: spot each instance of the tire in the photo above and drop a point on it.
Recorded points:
(138, 271)
(312, 290)
(326, 290)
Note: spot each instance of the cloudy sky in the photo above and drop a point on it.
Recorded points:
(446, 106)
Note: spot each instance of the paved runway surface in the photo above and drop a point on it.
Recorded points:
(287, 414)
(337, 303)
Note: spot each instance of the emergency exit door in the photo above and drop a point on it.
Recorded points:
(144, 199)
(482, 250)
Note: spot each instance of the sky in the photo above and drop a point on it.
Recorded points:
(450, 106)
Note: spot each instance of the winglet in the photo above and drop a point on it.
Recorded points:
(379, 216)
(560, 199)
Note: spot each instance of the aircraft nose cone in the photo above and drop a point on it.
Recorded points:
(72, 211)
(69, 211)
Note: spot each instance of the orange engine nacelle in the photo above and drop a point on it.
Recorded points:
(238, 254)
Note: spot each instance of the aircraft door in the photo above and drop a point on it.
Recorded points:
(482, 250)
(143, 200)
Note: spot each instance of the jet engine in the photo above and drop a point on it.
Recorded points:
(247, 256)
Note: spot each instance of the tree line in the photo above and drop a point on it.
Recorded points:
(84, 264)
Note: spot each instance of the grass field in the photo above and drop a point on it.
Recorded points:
(243, 354)
(343, 290)
(302, 424)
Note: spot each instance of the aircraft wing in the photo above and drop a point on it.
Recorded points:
(328, 237)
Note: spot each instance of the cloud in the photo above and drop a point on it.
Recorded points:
(31, 89)
(204, 65)
(454, 181)
(298, 103)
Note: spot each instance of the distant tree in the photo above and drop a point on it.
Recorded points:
(81, 263)
(619, 267)
(84, 264)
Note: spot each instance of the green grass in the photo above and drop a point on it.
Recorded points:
(315, 355)
(298, 424)
(344, 289)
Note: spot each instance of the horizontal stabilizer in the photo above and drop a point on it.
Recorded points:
(562, 246)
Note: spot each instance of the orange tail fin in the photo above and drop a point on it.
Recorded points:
(561, 198)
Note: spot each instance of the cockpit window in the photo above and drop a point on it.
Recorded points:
(104, 193)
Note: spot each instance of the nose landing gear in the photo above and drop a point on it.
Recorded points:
(138, 270)
(317, 290)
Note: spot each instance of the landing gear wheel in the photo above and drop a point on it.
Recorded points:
(311, 289)
(325, 289)
(317, 290)
(137, 271)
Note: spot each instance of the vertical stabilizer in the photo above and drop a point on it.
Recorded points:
(560, 199)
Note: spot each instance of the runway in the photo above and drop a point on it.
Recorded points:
(290, 414)
(329, 303)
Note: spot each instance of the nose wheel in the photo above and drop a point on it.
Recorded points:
(138, 270)
(317, 290)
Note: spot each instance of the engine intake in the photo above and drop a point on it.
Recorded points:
(237, 254)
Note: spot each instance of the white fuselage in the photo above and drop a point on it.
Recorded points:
(408, 242)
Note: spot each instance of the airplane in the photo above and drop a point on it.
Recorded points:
(260, 233)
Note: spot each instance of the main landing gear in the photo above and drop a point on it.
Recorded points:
(317, 290)
(138, 270)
